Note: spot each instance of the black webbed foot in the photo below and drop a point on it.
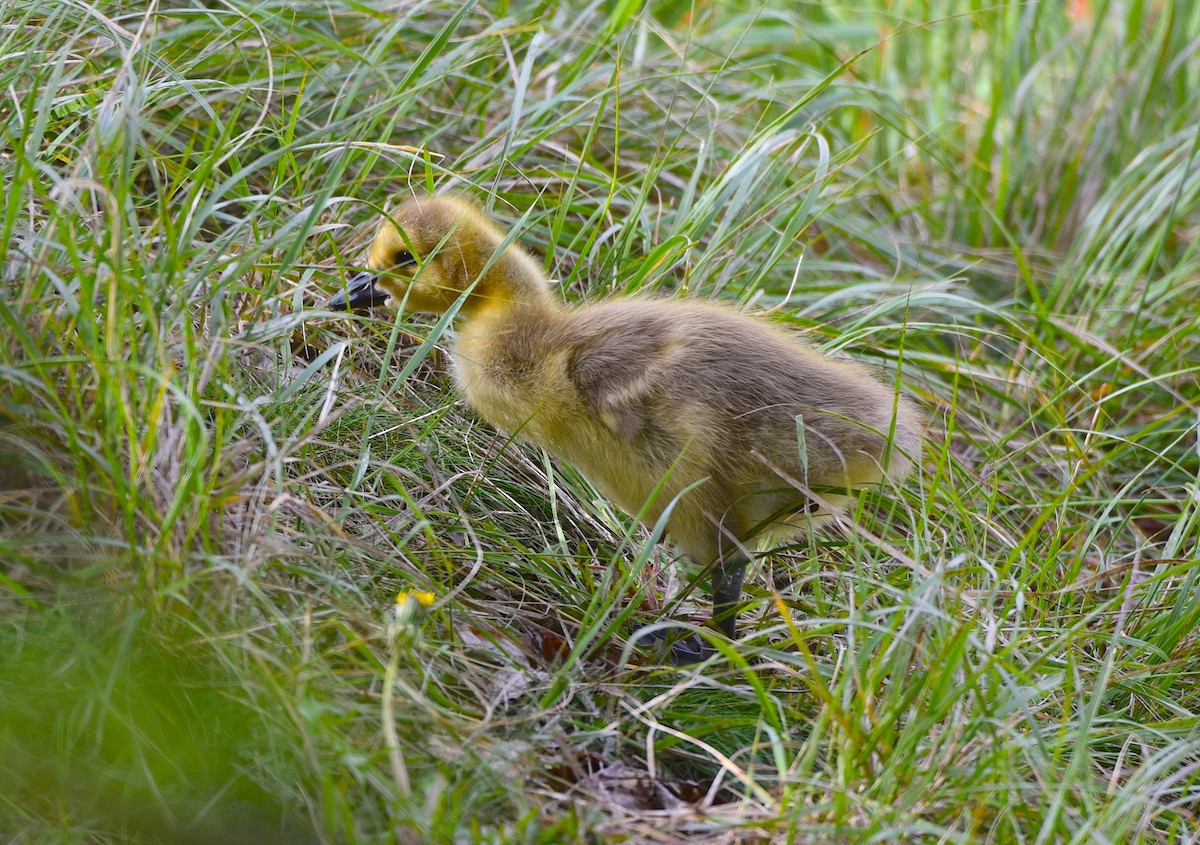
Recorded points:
(676, 646)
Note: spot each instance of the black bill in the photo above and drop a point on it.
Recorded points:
(360, 292)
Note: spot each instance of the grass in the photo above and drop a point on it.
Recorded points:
(213, 489)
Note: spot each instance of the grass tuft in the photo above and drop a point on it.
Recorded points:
(212, 490)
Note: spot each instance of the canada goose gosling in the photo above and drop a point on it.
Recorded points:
(647, 397)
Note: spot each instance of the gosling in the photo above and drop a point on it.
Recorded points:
(748, 435)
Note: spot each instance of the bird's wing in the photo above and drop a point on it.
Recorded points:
(616, 374)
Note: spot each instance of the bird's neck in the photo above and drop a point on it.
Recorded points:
(514, 283)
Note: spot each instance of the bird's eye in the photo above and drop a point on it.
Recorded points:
(404, 258)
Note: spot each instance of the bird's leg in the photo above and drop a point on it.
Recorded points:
(727, 580)
(727, 593)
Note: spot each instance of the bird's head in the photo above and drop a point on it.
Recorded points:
(426, 254)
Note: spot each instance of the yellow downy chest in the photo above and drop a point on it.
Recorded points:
(510, 375)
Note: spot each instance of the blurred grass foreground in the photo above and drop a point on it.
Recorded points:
(212, 491)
